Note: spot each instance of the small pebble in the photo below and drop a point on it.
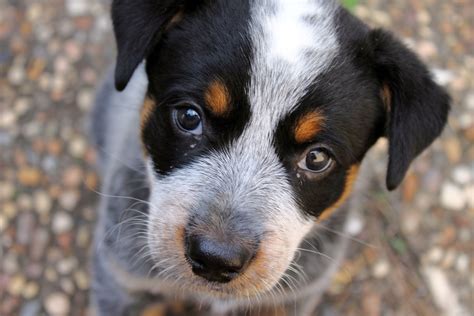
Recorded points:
(31, 308)
(24, 202)
(82, 279)
(77, 7)
(452, 197)
(69, 199)
(469, 194)
(462, 263)
(39, 243)
(83, 237)
(42, 202)
(31, 290)
(25, 226)
(73, 177)
(355, 225)
(463, 175)
(453, 148)
(67, 265)
(57, 304)
(62, 222)
(51, 275)
(17, 284)
(434, 255)
(10, 263)
(29, 176)
(442, 76)
(77, 147)
(3, 222)
(7, 119)
(85, 99)
(7, 190)
(381, 269)
(448, 259)
(67, 285)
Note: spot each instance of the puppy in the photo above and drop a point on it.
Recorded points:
(238, 135)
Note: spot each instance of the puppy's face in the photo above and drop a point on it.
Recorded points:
(257, 117)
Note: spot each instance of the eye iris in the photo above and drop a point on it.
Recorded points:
(318, 160)
(189, 119)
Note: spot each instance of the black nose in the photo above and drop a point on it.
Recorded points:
(216, 261)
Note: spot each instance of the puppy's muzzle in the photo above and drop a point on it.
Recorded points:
(217, 260)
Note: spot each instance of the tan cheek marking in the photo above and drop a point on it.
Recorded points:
(179, 238)
(350, 179)
(386, 95)
(217, 98)
(308, 126)
(147, 109)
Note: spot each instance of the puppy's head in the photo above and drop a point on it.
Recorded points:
(257, 116)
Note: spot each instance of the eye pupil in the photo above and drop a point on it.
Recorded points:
(188, 119)
(318, 160)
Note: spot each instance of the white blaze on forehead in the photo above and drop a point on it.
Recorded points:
(288, 32)
(294, 41)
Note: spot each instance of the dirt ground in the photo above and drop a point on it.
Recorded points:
(413, 251)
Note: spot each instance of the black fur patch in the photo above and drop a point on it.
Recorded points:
(210, 43)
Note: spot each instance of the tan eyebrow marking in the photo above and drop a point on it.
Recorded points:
(148, 107)
(217, 98)
(308, 126)
(349, 184)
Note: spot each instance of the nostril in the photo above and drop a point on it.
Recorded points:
(214, 260)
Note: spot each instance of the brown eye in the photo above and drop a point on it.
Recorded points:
(317, 160)
(189, 120)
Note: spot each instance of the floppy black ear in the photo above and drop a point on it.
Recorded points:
(138, 26)
(417, 107)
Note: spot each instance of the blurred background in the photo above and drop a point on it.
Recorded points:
(413, 251)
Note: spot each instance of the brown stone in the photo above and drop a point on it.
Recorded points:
(29, 176)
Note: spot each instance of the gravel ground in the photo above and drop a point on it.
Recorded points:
(413, 254)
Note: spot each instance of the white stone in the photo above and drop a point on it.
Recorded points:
(67, 265)
(77, 7)
(42, 202)
(3, 222)
(7, 190)
(469, 194)
(381, 269)
(68, 200)
(57, 304)
(16, 75)
(7, 119)
(443, 293)
(354, 225)
(22, 105)
(452, 197)
(78, 147)
(434, 255)
(469, 101)
(62, 222)
(462, 263)
(442, 76)
(85, 99)
(463, 175)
